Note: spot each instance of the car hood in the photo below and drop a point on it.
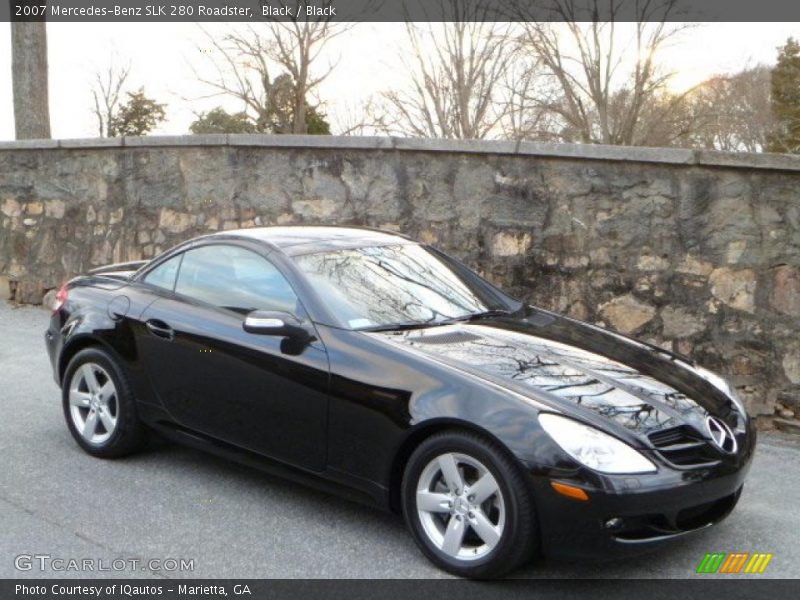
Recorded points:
(577, 368)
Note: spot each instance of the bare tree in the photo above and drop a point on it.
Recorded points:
(245, 59)
(296, 46)
(733, 111)
(457, 70)
(666, 119)
(357, 118)
(106, 93)
(606, 72)
(242, 71)
(29, 76)
(526, 116)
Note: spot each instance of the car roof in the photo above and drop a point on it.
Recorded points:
(300, 239)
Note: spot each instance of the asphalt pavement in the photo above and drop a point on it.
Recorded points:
(171, 503)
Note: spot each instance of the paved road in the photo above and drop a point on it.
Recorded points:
(171, 502)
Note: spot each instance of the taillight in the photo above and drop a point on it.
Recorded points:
(61, 298)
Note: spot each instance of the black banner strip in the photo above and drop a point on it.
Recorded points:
(733, 588)
(252, 11)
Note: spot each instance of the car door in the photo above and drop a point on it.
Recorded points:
(254, 391)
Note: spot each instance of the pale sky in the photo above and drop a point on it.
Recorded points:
(368, 63)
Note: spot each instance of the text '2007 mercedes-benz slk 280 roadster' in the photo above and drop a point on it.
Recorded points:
(377, 366)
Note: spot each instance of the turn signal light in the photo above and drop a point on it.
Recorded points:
(570, 491)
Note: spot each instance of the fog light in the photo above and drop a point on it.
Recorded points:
(614, 523)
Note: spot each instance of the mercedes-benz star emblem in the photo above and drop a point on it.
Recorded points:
(721, 434)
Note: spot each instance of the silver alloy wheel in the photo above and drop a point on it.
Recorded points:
(460, 506)
(93, 403)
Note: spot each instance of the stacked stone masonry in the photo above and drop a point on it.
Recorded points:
(697, 252)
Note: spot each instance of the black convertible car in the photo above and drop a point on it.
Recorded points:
(365, 362)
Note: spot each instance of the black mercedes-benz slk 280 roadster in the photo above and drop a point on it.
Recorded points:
(366, 362)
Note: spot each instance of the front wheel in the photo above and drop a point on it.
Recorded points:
(468, 506)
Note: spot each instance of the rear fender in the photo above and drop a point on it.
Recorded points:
(86, 328)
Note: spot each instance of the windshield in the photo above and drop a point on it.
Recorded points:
(401, 285)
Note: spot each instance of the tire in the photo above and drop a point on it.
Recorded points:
(95, 384)
(505, 518)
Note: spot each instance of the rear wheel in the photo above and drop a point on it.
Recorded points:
(468, 506)
(99, 407)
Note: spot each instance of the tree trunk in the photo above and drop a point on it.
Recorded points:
(29, 73)
(300, 126)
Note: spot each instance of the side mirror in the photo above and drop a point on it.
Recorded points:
(277, 323)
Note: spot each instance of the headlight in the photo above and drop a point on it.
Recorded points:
(723, 386)
(593, 448)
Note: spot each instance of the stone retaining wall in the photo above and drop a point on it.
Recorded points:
(696, 251)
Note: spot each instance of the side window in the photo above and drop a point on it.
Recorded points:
(234, 278)
(164, 275)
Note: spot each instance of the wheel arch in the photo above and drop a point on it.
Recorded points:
(75, 345)
(419, 434)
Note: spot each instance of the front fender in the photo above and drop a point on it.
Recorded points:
(383, 397)
(504, 416)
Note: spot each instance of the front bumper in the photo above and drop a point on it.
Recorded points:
(627, 514)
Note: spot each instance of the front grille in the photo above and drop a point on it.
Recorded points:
(652, 526)
(668, 437)
(703, 514)
(684, 447)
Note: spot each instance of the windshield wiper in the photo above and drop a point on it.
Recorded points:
(497, 312)
(449, 321)
(402, 326)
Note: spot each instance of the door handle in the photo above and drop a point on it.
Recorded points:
(160, 329)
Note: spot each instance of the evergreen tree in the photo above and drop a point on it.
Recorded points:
(277, 115)
(219, 120)
(138, 116)
(280, 117)
(316, 122)
(785, 87)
